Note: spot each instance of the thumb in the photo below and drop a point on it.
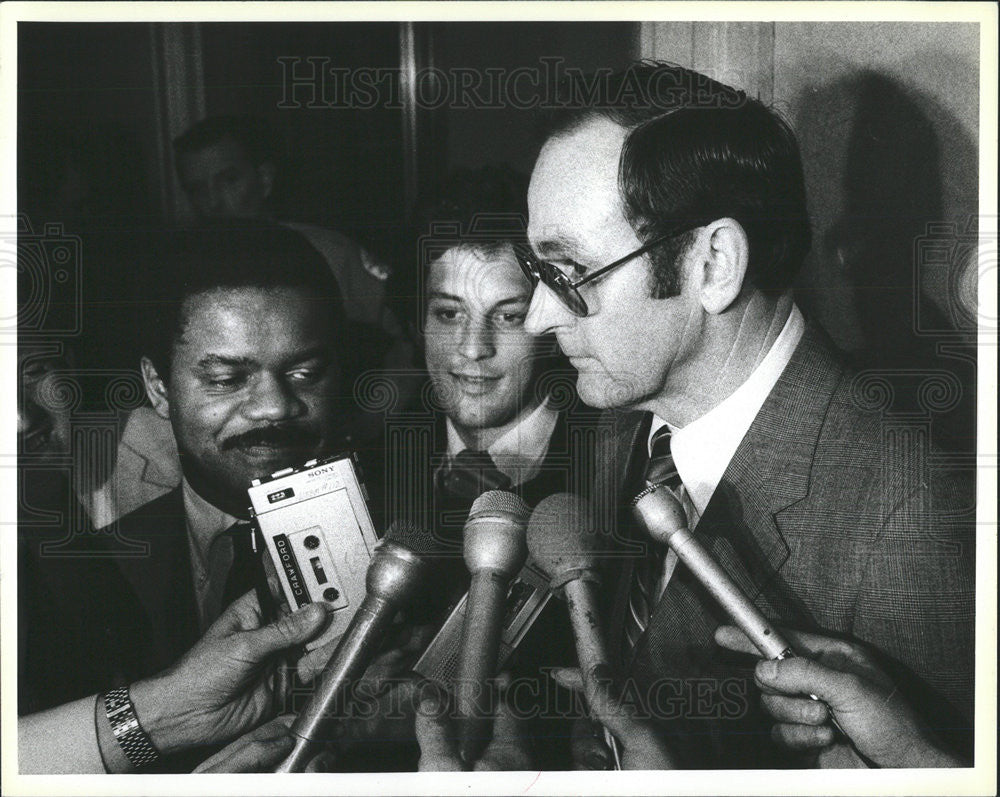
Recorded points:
(438, 748)
(292, 629)
(801, 676)
(569, 678)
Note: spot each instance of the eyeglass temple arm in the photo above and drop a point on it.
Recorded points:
(621, 261)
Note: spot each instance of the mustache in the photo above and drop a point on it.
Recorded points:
(275, 436)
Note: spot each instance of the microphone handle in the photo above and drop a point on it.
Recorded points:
(591, 650)
(346, 665)
(743, 613)
(484, 612)
(741, 610)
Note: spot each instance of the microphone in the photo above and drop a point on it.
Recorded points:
(396, 573)
(562, 540)
(662, 514)
(664, 517)
(495, 550)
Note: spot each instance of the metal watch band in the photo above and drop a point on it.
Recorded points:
(132, 739)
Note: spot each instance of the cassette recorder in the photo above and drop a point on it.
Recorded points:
(528, 595)
(316, 526)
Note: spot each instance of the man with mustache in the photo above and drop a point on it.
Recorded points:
(242, 356)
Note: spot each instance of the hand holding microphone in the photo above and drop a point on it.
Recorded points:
(439, 752)
(563, 541)
(663, 516)
(871, 711)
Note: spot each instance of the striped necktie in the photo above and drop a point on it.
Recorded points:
(647, 569)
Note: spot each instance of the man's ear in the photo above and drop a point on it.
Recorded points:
(266, 173)
(156, 388)
(725, 265)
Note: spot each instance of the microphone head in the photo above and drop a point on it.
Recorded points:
(658, 509)
(493, 537)
(399, 565)
(562, 538)
(501, 502)
(413, 536)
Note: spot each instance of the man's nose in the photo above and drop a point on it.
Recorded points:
(477, 340)
(270, 399)
(546, 312)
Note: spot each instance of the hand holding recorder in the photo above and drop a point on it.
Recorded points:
(220, 689)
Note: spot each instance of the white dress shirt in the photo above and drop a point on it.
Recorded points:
(703, 449)
(519, 452)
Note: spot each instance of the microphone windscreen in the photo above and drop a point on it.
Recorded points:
(562, 537)
(501, 502)
(413, 536)
(493, 537)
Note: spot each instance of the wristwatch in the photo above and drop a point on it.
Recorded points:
(131, 737)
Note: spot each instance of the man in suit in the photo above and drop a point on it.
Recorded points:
(498, 412)
(503, 411)
(668, 220)
(242, 357)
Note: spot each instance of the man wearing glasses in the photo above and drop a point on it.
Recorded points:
(667, 223)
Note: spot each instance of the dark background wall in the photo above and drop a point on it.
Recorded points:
(495, 135)
(341, 166)
(887, 115)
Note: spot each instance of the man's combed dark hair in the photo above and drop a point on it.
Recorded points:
(232, 254)
(485, 208)
(479, 207)
(250, 133)
(698, 150)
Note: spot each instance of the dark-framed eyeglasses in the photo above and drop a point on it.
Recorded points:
(565, 289)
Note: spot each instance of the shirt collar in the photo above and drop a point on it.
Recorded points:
(703, 449)
(205, 521)
(519, 452)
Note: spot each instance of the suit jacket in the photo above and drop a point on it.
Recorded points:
(161, 581)
(416, 448)
(146, 467)
(549, 642)
(117, 603)
(833, 518)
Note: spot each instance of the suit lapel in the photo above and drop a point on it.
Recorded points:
(162, 580)
(769, 472)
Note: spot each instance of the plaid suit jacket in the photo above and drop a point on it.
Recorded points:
(834, 517)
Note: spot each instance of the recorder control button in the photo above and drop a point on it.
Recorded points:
(311, 542)
(331, 594)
